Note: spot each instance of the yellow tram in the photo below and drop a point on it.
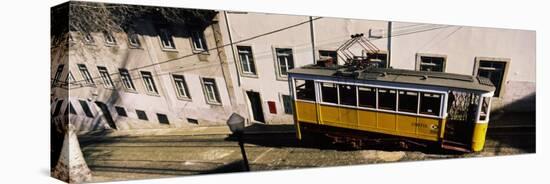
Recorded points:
(448, 110)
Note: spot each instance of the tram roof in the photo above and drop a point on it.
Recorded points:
(391, 75)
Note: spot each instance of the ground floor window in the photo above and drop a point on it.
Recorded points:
(287, 104)
(163, 119)
(121, 111)
(86, 108)
(141, 115)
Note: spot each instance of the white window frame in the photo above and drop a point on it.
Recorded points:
(318, 93)
(198, 41)
(149, 82)
(109, 38)
(382, 52)
(419, 62)
(105, 76)
(294, 93)
(137, 43)
(207, 85)
(126, 79)
(249, 55)
(70, 78)
(181, 88)
(58, 73)
(486, 95)
(280, 75)
(85, 74)
(88, 38)
(506, 62)
(164, 32)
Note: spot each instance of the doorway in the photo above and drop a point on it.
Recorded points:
(256, 106)
(106, 114)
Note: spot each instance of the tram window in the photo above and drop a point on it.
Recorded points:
(408, 101)
(386, 99)
(367, 97)
(329, 93)
(430, 103)
(348, 95)
(305, 90)
(484, 109)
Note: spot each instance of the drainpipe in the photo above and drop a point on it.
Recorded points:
(232, 48)
(389, 43)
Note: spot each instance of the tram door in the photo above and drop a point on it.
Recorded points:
(461, 118)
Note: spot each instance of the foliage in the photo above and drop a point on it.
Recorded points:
(97, 17)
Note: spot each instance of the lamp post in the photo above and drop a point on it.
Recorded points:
(236, 125)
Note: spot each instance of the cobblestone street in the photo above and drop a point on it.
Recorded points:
(133, 155)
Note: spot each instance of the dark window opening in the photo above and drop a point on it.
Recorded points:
(193, 121)
(133, 39)
(367, 97)
(199, 43)
(141, 115)
(434, 64)
(494, 71)
(57, 108)
(163, 119)
(121, 111)
(386, 99)
(348, 95)
(86, 108)
(329, 53)
(57, 74)
(88, 38)
(430, 103)
(166, 39)
(329, 93)
(109, 38)
(305, 89)
(380, 60)
(71, 109)
(408, 101)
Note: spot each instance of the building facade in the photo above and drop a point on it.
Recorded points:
(161, 75)
(505, 56)
(155, 75)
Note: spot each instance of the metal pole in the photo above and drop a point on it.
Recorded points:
(389, 44)
(312, 39)
(232, 47)
(241, 144)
